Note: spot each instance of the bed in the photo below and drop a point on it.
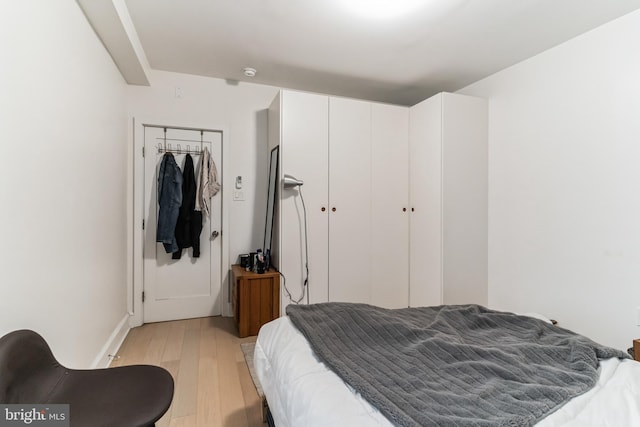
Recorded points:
(302, 390)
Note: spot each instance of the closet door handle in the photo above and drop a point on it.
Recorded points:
(413, 209)
(404, 209)
(333, 209)
(323, 209)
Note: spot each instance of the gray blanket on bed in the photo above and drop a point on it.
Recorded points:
(452, 365)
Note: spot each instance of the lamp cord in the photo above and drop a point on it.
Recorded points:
(305, 284)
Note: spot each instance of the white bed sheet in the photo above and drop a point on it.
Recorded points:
(302, 391)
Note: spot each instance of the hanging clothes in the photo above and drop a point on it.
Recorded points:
(189, 225)
(169, 201)
(208, 185)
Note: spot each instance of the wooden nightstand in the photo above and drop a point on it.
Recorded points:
(636, 350)
(255, 298)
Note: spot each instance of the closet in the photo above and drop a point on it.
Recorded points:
(448, 191)
(351, 155)
(395, 197)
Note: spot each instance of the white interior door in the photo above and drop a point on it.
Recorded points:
(188, 287)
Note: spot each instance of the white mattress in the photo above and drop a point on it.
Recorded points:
(302, 391)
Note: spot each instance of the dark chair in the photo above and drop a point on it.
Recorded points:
(127, 396)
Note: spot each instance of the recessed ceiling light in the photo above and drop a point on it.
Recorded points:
(249, 72)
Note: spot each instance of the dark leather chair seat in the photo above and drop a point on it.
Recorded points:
(126, 396)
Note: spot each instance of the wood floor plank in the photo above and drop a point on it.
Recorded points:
(252, 402)
(187, 421)
(208, 412)
(156, 346)
(175, 339)
(231, 401)
(172, 367)
(192, 324)
(143, 338)
(213, 387)
(207, 322)
(185, 400)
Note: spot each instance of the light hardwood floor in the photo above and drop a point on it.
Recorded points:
(213, 386)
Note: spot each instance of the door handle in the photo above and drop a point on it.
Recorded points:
(214, 234)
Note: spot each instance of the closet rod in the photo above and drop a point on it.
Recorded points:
(195, 141)
(179, 150)
(183, 128)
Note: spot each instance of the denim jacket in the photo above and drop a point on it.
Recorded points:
(169, 200)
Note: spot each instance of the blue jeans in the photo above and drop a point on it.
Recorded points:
(169, 200)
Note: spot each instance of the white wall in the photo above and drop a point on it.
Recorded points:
(564, 183)
(241, 108)
(62, 180)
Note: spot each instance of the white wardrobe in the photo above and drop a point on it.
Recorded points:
(448, 164)
(351, 155)
(369, 200)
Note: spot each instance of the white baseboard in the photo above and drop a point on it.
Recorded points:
(113, 344)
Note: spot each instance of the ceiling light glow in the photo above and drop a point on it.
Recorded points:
(383, 9)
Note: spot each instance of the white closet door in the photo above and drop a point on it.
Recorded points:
(304, 148)
(349, 200)
(425, 166)
(390, 206)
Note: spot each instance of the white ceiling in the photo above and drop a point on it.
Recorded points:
(323, 46)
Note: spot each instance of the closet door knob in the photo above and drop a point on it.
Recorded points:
(333, 209)
(413, 210)
(323, 209)
(404, 209)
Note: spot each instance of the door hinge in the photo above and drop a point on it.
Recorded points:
(142, 151)
(143, 224)
(142, 296)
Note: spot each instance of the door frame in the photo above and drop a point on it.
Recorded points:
(135, 244)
